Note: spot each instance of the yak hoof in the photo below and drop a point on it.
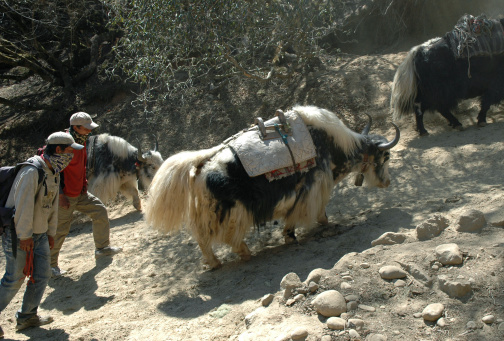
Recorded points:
(424, 133)
(459, 128)
(323, 220)
(290, 239)
(482, 124)
(245, 257)
(137, 205)
(213, 265)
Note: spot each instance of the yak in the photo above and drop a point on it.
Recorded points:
(209, 192)
(438, 74)
(114, 165)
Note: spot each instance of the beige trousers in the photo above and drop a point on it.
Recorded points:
(90, 206)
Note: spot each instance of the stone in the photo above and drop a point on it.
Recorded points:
(399, 283)
(356, 324)
(432, 312)
(312, 287)
(432, 227)
(441, 322)
(454, 289)
(352, 305)
(315, 275)
(345, 286)
(449, 254)
(290, 281)
(470, 221)
(249, 319)
(267, 299)
(488, 319)
(329, 303)
(353, 334)
(351, 297)
(471, 325)
(389, 238)
(367, 308)
(299, 333)
(299, 297)
(376, 337)
(392, 272)
(282, 337)
(365, 265)
(336, 323)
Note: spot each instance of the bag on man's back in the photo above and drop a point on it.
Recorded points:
(7, 177)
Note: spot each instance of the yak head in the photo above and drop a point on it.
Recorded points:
(375, 155)
(147, 165)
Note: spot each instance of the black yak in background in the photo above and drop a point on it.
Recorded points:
(465, 63)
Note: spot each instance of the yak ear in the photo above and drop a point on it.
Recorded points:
(391, 144)
(156, 146)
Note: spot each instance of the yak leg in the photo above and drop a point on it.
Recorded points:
(129, 189)
(452, 120)
(419, 121)
(485, 106)
(322, 218)
(208, 255)
(242, 251)
(289, 233)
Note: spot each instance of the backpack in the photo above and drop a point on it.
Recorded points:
(7, 176)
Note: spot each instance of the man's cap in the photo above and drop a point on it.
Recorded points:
(82, 119)
(63, 138)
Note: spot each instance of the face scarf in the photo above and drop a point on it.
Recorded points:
(80, 139)
(59, 161)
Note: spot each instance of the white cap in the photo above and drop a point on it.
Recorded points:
(63, 138)
(82, 119)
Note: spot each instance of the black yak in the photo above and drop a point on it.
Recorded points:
(436, 75)
(210, 192)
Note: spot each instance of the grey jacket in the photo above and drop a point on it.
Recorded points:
(36, 212)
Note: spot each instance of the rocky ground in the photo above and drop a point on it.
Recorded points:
(420, 260)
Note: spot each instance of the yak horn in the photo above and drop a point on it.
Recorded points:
(368, 125)
(391, 144)
(156, 146)
(140, 155)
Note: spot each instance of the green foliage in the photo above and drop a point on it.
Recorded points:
(169, 46)
(50, 38)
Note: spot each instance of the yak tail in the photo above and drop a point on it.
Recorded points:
(404, 87)
(170, 194)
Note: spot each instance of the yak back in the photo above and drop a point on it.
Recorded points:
(111, 154)
(260, 196)
(476, 36)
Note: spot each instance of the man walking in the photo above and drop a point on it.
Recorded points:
(74, 196)
(35, 219)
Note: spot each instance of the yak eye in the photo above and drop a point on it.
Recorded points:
(386, 157)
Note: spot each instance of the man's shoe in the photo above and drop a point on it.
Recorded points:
(57, 272)
(34, 321)
(107, 251)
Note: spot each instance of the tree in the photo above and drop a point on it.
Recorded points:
(58, 41)
(169, 46)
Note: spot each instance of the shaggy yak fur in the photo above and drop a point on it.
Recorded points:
(115, 166)
(210, 193)
(432, 79)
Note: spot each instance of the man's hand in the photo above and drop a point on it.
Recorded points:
(51, 242)
(63, 201)
(26, 244)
